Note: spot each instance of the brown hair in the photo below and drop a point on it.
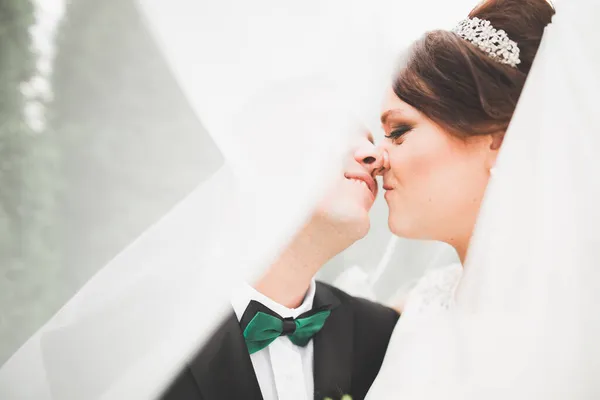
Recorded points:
(462, 89)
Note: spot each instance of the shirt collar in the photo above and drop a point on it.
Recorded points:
(246, 293)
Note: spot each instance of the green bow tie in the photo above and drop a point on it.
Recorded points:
(261, 326)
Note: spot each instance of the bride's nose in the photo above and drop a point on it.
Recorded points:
(385, 162)
(370, 157)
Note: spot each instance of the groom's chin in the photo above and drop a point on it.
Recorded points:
(354, 226)
(351, 223)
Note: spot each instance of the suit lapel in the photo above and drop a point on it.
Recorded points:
(333, 347)
(223, 369)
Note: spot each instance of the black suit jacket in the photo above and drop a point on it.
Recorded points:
(348, 353)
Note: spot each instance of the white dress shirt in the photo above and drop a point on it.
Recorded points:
(284, 370)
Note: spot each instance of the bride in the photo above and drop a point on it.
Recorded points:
(516, 318)
(445, 118)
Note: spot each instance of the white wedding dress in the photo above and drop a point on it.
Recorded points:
(432, 297)
(434, 293)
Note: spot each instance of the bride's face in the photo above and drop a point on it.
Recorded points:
(352, 195)
(434, 181)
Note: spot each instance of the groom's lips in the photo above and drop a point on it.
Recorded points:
(366, 178)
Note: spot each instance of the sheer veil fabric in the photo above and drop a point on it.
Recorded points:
(281, 125)
(133, 325)
(525, 323)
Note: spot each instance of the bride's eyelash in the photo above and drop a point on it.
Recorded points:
(399, 131)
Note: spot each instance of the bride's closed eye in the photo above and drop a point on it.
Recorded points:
(398, 132)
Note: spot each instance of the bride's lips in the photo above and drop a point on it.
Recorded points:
(366, 178)
(388, 189)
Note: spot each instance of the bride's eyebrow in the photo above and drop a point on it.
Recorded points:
(389, 113)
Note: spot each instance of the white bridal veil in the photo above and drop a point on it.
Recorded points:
(532, 278)
(272, 82)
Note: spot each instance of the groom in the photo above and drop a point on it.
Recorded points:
(290, 337)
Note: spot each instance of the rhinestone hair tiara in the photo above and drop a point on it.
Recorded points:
(495, 43)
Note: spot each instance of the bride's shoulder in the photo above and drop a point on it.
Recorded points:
(435, 290)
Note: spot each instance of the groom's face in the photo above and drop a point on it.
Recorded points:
(352, 194)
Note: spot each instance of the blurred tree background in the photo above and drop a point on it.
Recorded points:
(120, 147)
(29, 257)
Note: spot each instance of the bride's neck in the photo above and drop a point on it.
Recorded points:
(461, 246)
(288, 279)
(462, 255)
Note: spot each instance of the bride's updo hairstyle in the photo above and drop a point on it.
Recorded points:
(460, 87)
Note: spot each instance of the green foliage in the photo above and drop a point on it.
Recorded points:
(16, 67)
(28, 182)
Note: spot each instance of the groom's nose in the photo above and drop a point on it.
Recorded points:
(370, 157)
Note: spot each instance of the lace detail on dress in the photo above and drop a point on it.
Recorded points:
(435, 291)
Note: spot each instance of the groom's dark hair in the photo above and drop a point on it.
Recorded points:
(461, 88)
